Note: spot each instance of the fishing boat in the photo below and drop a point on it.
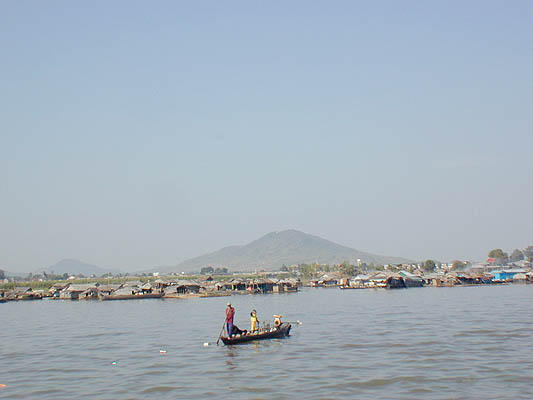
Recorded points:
(276, 333)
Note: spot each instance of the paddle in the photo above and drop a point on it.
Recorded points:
(222, 330)
(294, 322)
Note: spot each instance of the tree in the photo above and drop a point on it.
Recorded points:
(429, 266)
(457, 265)
(499, 255)
(284, 268)
(528, 253)
(516, 255)
(306, 270)
(207, 270)
(2, 274)
(347, 269)
(221, 271)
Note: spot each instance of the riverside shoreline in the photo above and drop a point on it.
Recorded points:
(203, 287)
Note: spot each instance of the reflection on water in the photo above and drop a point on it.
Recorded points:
(427, 343)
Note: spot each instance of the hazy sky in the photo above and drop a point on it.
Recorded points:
(137, 134)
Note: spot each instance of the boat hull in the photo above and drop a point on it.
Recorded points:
(132, 296)
(284, 330)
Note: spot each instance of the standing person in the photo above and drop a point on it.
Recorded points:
(230, 312)
(253, 321)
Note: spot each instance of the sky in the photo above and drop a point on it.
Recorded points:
(136, 134)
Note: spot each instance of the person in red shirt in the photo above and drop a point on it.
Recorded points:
(230, 312)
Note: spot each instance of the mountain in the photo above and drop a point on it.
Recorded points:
(277, 248)
(15, 274)
(76, 267)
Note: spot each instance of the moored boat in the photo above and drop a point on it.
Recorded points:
(345, 287)
(283, 330)
(131, 296)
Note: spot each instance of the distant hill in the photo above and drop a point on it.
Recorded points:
(76, 267)
(277, 248)
(9, 274)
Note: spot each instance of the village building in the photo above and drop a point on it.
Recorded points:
(506, 275)
(75, 291)
(411, 280)
(261, 285)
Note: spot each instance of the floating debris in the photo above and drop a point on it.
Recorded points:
(114, 363)
(2, 385)
(206, 344)
(162, 352)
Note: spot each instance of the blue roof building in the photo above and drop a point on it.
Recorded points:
(506, 275)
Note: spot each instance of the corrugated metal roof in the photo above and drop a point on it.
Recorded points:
(80, 287)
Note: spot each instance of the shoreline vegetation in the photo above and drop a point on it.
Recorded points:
(289, 279)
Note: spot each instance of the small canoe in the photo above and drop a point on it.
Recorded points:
(280, 332)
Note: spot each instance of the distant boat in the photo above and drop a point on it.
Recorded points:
(280, 332)
(131, 296)
(352, 287)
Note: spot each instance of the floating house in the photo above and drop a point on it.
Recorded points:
(147, 288)
(57, 288)
(181, 288)
(160, 284)
(288, 285)
(314, 283)
(395, 281)
(360, 281)
(187, 287)
(520, 278)
(329, 280)
(411, 280)
(378, 280)
(22, 293)
(261, 285)
(235, 285)
(127, 291)
(506, 275)
(107, 289)
(434, 279)
(75, 291)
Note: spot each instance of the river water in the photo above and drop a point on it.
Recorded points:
(417, 343)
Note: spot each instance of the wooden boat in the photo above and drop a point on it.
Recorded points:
(345, 287)
(280, 332)
(131, 296)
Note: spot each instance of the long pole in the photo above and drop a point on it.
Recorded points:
(222, 330)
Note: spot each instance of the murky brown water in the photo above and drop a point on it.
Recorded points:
(424, 343)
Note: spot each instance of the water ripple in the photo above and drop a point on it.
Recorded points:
(406, 344)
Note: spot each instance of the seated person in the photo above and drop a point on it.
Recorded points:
(237, 331)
